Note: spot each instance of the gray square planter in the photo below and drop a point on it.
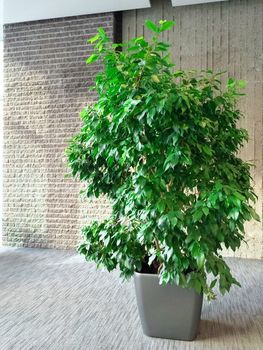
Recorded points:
(168, 311)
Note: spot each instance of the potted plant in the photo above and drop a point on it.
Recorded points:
(162, 145)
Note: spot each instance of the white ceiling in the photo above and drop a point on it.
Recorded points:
(30, 10)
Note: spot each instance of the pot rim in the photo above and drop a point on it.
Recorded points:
(146, 274)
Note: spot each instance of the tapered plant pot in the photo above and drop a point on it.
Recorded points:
(167, 311)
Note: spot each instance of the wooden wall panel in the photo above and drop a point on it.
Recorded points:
(221, 36)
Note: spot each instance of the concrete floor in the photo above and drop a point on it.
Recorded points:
(54, 300)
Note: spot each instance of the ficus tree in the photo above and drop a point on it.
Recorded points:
(162, 145)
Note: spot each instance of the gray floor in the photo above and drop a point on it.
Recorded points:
(54, 300)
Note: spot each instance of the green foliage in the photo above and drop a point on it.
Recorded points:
(162, 145)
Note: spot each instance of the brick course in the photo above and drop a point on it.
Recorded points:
(46, 81)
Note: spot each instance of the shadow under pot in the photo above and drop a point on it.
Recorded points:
(167, 311)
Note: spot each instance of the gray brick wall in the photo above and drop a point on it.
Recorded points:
(46, 81)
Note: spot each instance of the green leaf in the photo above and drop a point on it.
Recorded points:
(171, 161)
(213, 283)
(254, 215)
(92, 58)
(166, 25)
(162, 46)
(232, 226)
(195, 250)
(220, 236)
(107, 241)
(197, 215)
(150, 25)
(200, 259)
(205, 210)
(242, 84)
(94, 39)
(162, 222)
(234, 214)
(172, 218)
(179, 215)
(169, 253)
(151, 259)
(161, 205)
(141, 42)
(174, 221)
(155, 78)
(239, 196)
(207, 150)
(102, 33)
(231, 82)
(197, 286)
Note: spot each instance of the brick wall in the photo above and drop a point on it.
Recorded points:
(46, 82)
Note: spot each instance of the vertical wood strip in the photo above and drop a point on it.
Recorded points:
(224, 36)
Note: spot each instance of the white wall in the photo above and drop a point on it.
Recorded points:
(192, 2)
(1, 118)
(29, 10)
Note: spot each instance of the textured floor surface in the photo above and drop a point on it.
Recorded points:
(54, 300)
